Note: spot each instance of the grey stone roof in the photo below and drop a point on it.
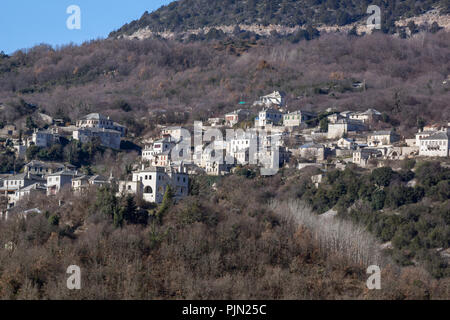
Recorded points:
(312, 145)
(98, 177)
(94, 116)
(37, 163)
(34, 186)
(64, 173)
(300, 112)
(22, 176)
(381, 133)
(442, 135)
(99, 130)
(370, 112)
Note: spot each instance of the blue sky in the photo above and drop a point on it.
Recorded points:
(25, 23)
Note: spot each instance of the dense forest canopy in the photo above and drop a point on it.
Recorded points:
(193, 14)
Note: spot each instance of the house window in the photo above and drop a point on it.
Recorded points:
(148, 189)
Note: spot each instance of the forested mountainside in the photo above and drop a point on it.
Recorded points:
(194, 14)
(152, 81)
(218, 243)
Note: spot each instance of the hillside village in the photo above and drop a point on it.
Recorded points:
(273, 138)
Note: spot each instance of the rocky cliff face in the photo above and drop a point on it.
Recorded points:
(423, 21)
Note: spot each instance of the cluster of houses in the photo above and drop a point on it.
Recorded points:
(90, 127)
(287, 135)
(49, 178)
(349, 139)
(45, 179)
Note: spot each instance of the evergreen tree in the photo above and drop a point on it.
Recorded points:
(30, 123)
(129, 210)
(166, 203)
(324, 125)
(106, 203)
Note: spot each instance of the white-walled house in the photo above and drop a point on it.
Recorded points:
(151, 183)
(214, 168)
(98, 126)
(346, 144)
(275, 98)
(436, 145)
(175, 132)
(108, 138)
(361, 157)
(164, 145)
(215, 122)
(366, 116)
(237, 116)
(296, 118)
(381, 138)
(312, 150)
(45, 138)
(268, 116)
(97, 120)
(424, 134)
(41, 168)
(56, 181)
(344, 126)
(34, 189)
(16, 182)
(82, 182)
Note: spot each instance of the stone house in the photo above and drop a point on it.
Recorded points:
(311, 151)
(344, 126)
(268, 116)
(381, 138)
(361, 157)
(44, 138)
(56, 181)
(82, 182)
(41, 168)
(151, 183)
(99, 121)
(107, 137)
(237, 116)
(14, 183)
(366, 116)
(435, 145)
(297, 118)
(275, 98)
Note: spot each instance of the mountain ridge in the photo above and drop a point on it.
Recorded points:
(190, 15)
